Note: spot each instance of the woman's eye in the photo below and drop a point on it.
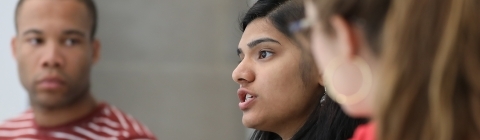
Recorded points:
(265, 54)
(241, 56)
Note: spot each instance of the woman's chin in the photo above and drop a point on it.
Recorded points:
(356, 112)
(249, 121)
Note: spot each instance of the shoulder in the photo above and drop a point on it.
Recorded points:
(21, 125)
(134, 128)
(24, 120)
(365, 132)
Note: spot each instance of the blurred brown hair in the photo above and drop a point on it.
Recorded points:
(431, 52)
(368, 14)
(431, 85)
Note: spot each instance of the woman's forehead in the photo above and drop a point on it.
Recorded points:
(261, 28)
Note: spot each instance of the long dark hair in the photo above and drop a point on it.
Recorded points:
(327, 121)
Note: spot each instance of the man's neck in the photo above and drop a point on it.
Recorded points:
(60, 116)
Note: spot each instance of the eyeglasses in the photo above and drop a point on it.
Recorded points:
(300, 31)
(298, 26)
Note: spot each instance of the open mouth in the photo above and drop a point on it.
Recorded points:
(246, 99)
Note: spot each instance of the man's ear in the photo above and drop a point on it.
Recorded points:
(96, 50)
(14, 47)
(347, 37)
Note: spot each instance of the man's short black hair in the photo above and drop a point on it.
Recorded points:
(90, 4)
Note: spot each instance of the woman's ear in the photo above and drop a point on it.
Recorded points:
(347, 37)
(320, 80)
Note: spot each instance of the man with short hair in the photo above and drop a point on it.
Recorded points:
(55, 49)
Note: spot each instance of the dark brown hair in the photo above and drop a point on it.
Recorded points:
(90, 4)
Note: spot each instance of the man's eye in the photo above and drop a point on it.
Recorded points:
(264, 54)
(35, 41)
(71, 42)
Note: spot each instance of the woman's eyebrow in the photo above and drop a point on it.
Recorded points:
(254, 43)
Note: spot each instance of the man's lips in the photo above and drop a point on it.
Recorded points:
(50, 83)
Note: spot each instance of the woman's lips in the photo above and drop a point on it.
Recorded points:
(246, 97)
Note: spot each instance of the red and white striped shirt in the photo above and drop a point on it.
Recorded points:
(105, 123)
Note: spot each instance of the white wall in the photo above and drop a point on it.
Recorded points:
(251, 2)
(180, 102)
(13, 99)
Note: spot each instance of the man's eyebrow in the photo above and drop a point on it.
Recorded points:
(32, 31)
(74, 32)
(261, 40)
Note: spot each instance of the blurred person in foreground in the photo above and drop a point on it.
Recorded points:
(424, 57)
(281, 93)
(342, 38)
(55, 49)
